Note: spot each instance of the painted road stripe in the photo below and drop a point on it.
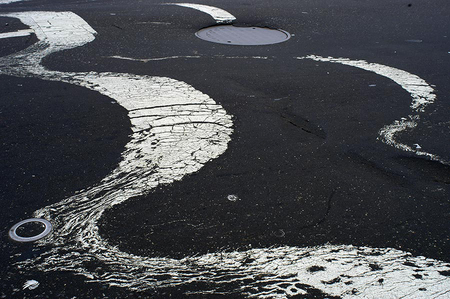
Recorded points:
(145, 60)
(218, 14)
(150, 59)
(9, 1)
(163, 150)
(18, 33)
(421, 92)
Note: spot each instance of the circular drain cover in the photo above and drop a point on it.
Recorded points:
(244, 36)
(47, 229)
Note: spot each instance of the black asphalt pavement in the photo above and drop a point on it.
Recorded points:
(305, 159)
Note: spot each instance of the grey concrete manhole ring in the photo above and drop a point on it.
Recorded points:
(243, 36)
(13, 231)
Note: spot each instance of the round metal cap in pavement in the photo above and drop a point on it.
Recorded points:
(47, 229)
(243, 36)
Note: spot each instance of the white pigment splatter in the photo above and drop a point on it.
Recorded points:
(218, 14)
(176, 130)
(30, 284)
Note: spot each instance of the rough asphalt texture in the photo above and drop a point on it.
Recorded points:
(304, 158)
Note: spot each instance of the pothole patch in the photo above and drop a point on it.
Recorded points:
(243, 36)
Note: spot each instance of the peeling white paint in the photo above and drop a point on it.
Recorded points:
(60, 30)
(388, 133)
(176, 130)
(218, 14)
(421, 92)
(18, 33)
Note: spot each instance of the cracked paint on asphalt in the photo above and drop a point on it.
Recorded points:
(176, 130)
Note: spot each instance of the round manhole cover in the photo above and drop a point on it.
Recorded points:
(243, 36)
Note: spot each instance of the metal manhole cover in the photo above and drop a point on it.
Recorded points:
(243, 36)
(47, 229)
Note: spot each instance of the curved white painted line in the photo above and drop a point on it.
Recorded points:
(218, 14)
(176, 130)
(421, 92)
(388, 133)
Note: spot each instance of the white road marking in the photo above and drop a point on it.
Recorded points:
(176, 130)
(18, 33)
(150, 59)
(422, 95)
(155, 23)
(388, 133)
(182, 57)
(60, 30)
(218, 14)
(246, 57)
(9, 1)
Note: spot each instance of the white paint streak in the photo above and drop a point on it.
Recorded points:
(218, 14)
(388, 136)
(422, 95)
(155, 23)
(176, 130)
(145, 60)
(9, 1)
(151, 59)
(246, 57)
(18, 33)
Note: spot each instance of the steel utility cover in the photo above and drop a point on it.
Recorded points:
(243, 36)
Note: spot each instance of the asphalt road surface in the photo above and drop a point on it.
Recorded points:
(317, 167)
